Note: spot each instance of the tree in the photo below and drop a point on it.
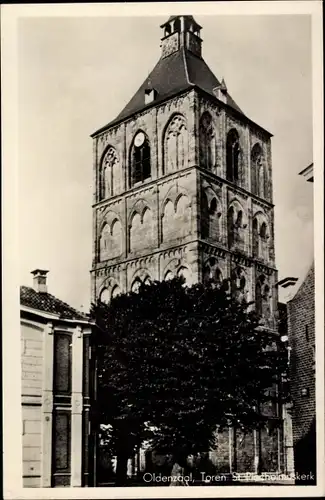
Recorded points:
(183, 361)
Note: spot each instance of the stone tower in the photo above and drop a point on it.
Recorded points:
(183, 186)
(183, 183)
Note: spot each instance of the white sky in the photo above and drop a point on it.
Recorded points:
(76, 74)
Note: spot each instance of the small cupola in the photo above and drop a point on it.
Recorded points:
(39, 280)
(181, 32)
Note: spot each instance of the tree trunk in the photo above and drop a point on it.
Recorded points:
(121, 469)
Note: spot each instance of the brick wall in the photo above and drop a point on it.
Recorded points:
(31, 376)
(301, 333)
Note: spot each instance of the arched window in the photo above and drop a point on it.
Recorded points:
(258, 299)
(207, 142)
(230, 226)
(175, 145)
(116, 291)
(263, 231)
(104, 296)
(210, 220)
(147, 281)
(266, 302)
(213, 206)
(261, 181)
(169, 276)
(177, 25)
(205, 220)
(218, 276)
(183, 215)
(238, 284)
(262, 298)
(183, 271)
(104, 242)
(109, 174)
(255, 238)
(140, 159)
(263, 241)
(169, 230)
(207, 274)
(259, 172)
(233, 155)
(256, 163)
(136, 285)
(141, 230)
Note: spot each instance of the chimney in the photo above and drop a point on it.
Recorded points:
(39, 280)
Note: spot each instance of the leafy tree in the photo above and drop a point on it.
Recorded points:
(181, 361)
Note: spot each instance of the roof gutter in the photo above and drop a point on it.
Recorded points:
(48, 315)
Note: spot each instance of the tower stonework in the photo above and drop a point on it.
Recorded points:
(183, 186)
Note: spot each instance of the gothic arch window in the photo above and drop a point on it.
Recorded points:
(207, 274)
(207, 142)
(104, 296)
(258, 299)
(231, 226)
(210, 225)
(255, 236)
(104, 242)
(175, 144)
(262, 298)
(140, 159)
(233, 156)
(213, 206)
(205, 225)
(256, 163)
(168, 229)
(110, 240)
(109, 174)
(169, 276)
(263, 231)
(218, 276)
(185, 273)
(141, 230)
(266, 302)
(238, 284)
(116, 291)
(177, 25)
(183, 215)
(260, 238)
(147, 280)
(259, 173)
(136, 285)
(176, 217)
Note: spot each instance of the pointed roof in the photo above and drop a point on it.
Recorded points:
(178, 72)
(189, 18)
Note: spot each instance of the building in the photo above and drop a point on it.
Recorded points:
(183, 186)
(301, 334)
(55, 355)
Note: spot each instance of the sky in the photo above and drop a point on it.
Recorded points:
(76, 74)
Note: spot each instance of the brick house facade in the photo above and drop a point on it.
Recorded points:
(301, 333)
(183, 186)
(55, 389)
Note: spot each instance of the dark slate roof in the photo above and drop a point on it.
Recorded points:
(178, 72)
(189, 18)
(48, 303)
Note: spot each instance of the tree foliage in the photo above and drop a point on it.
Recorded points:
(175, 362)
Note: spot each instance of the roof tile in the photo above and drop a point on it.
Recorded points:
(48, 303)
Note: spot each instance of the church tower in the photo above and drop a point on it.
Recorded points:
(183, 186)
(183, 183)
